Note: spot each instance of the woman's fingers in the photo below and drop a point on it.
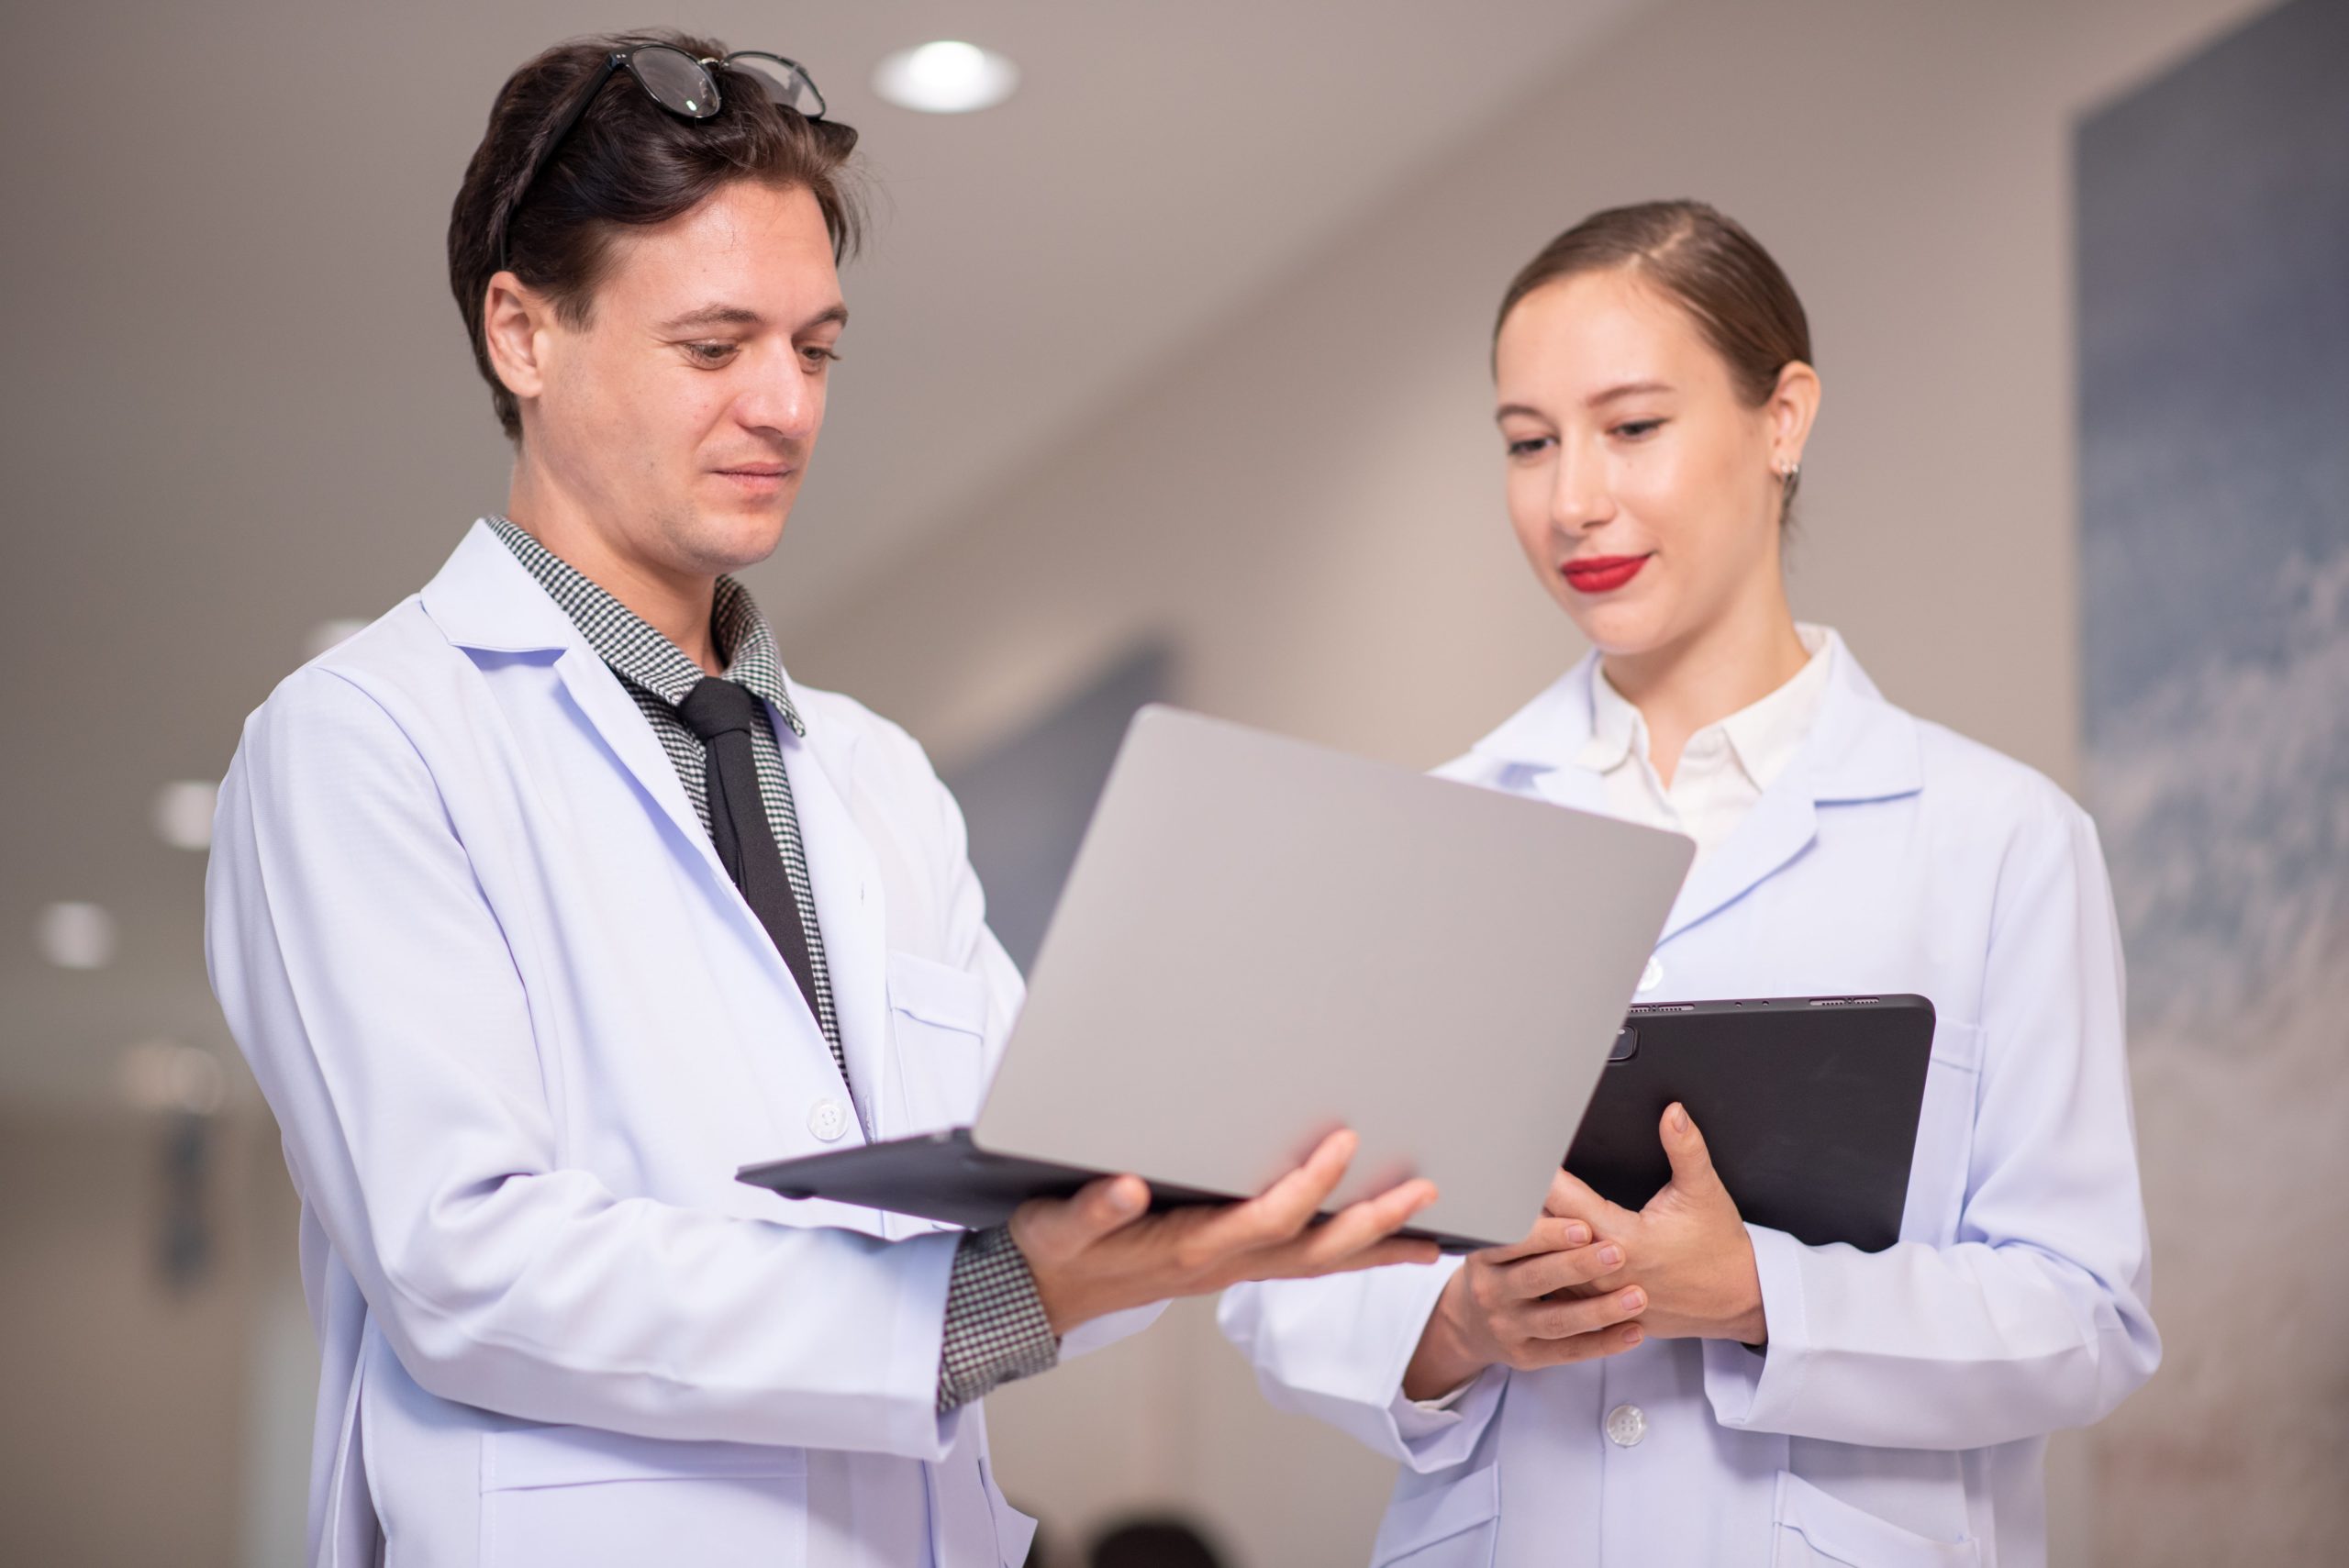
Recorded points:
(1581, 1348)
(1549, 1234)
(1571, 1198)
(1575, 1317)
(1537, 1277)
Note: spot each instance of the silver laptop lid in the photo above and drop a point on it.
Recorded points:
(1261, 939)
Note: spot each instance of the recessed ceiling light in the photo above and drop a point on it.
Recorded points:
(183, 813)
(76, 936)
(326, 633)
(946, 77)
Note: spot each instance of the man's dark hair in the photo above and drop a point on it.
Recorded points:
(627, 160)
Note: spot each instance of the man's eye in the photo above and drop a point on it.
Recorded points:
(710, 353)
(817, 356)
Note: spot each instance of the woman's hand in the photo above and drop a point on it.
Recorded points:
(1499, 1309)
(1693, 1256)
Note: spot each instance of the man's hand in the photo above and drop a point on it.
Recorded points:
(1100, 1252)
(1690, 1251)
(1526, 1305)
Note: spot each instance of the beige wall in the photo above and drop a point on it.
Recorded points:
(128, 1434)
(1306, 506)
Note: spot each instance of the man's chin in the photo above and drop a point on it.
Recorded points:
(729, 538)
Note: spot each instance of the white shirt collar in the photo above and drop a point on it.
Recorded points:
(1764, 737)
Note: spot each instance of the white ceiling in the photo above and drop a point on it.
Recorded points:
(238, 401)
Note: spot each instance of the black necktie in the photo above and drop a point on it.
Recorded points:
(722, 713)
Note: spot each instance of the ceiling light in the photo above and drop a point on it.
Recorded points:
(945, 78)
(326, 633)
(76, 936)
(182, 813)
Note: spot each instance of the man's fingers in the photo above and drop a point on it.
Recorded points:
(1361, 1224)
(1692, 1162)
(1379, 1255)
(1053, 1230)
(1284, 1208)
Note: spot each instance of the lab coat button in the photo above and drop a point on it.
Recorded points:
(1626, 1425)
(826, 1120)
(1653, 975)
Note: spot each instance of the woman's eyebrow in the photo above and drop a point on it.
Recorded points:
(1628, 389)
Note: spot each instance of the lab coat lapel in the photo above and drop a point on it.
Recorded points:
(620, 725)
(850, 907)
(1539, 742)
(1861, 749)
(1780, 827)
(485, 599)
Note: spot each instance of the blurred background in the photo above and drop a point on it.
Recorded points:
(1168, 379)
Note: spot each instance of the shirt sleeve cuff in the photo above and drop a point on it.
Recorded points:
(995, 1327)
(1749, 1389)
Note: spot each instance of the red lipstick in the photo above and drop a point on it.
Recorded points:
(1602, 573)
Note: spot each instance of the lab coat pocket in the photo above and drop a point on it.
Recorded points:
(938, 1021)
(1942, 1166)
(583, 1498)
(1443, 1520)
(1813, 1529)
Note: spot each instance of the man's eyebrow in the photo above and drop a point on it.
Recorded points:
(712, 316)
(743, 316)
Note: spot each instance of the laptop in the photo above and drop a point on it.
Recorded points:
(1262, 941)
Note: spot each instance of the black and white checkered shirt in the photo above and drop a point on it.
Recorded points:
(995, 1327)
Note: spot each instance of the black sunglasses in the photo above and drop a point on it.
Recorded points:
(681, 84)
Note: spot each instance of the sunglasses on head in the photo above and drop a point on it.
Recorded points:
(680, 83)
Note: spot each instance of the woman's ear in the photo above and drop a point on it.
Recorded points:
(514, 320)
(1793, 404)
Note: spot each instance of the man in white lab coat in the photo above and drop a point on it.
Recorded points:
(549, 900)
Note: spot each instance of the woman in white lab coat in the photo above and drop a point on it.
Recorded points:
(1673, 1386)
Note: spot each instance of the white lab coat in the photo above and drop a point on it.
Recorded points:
(518, 1030)
(1900, 1416)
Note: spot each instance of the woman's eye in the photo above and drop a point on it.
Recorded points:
(1633, 430)
(1528, 446)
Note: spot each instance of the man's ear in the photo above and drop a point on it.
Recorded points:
(515, 321)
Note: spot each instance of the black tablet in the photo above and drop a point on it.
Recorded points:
(1808, 1106)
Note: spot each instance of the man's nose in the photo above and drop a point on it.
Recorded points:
(784, 397)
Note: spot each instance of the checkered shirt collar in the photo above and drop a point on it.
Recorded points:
(622, 639)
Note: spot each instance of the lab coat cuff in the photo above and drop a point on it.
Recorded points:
(1755, 1390)
(1436, 1439)
(916, 1429)
(1093, 1334)
(1439, 1433)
